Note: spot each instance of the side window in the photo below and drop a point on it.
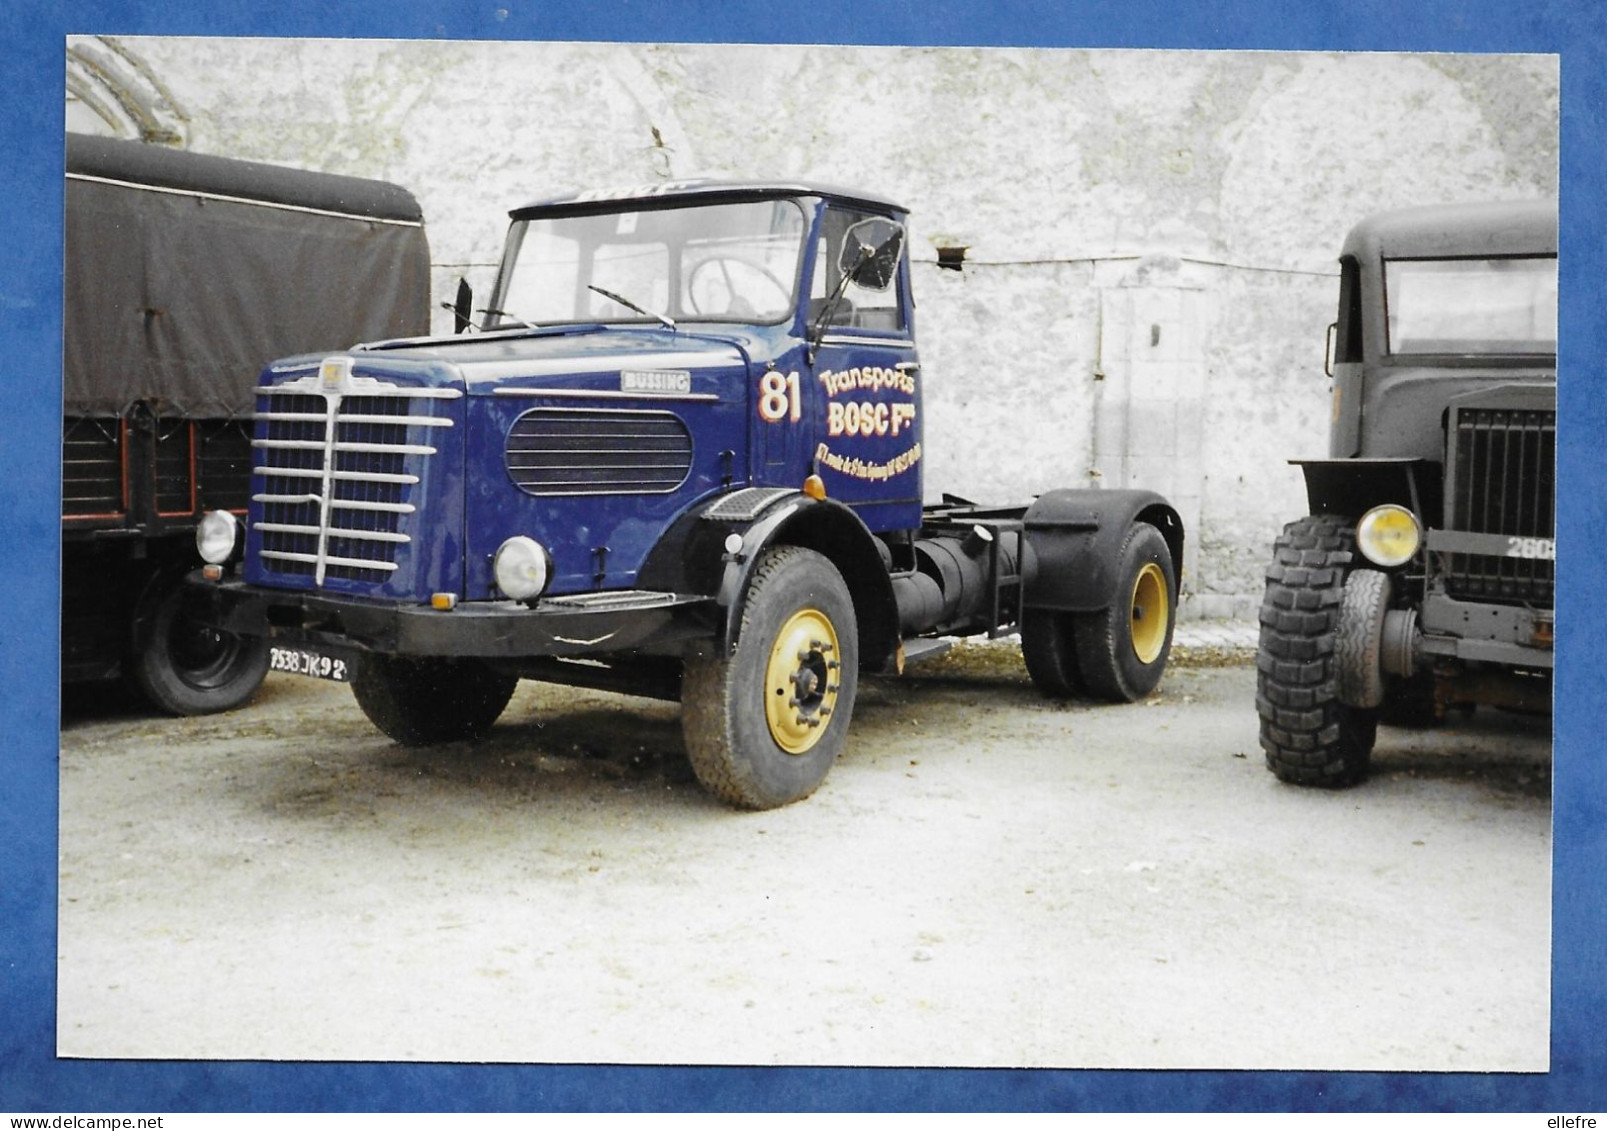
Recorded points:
(859, 308)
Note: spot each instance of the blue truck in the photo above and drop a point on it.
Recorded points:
(678, 453)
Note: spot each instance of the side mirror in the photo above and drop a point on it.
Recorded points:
(1328, 348)
(871, 251)
(461, 307)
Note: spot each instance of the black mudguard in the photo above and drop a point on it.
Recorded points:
(692, 558)
(1077, 536)
(1349, 487)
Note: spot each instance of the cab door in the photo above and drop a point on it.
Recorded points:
(863, 377)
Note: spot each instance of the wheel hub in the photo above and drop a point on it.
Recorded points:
(1150, 612)
(202, 656)
(801, 681)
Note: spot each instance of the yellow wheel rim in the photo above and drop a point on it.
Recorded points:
(801, 680)
(1150, 612)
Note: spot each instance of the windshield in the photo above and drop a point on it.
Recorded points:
(1472, 306)
(714, 262)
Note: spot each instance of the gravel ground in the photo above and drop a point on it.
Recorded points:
(986, 878)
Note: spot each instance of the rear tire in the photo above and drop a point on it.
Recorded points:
(764, 725)
(185, 667)
(422, 701)
(1309, 736)
(1122, 649)
(1049, 647)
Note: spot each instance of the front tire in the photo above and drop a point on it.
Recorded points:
(418, 702)
(764, 725)
(1308, 735)
(1122, 649)
(186, 667)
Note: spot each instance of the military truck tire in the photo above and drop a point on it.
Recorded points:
(1049, 646)
(1308, 735)
(1122, 649)
(764, 725)
(185, 667)
(1359, 666)
(422, 701)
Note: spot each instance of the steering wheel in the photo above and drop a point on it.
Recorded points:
(737, 280)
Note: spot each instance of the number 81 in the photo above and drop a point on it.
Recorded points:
(778, 397)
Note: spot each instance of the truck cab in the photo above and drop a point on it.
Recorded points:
(678, 452)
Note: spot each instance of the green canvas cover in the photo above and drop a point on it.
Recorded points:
(185, 274)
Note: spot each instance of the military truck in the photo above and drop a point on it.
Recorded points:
(1423, 577)
(681, 456)
(184, 273)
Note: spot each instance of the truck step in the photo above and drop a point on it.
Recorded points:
(918, 648)
(745, 505)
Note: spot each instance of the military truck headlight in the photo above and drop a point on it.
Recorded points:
(216, 536)
(1389, 535)
(522, 567)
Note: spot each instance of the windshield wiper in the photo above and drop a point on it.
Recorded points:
(525, 322)
(480, 328)
(629, 305)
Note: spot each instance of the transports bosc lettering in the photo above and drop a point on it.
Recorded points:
(871, 377)
(868, 418)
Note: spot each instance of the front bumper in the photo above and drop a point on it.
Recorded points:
(1511, 635)
(592, 624)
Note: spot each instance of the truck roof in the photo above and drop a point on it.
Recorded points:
(704, 188)
(156, 166)
(1526, 227)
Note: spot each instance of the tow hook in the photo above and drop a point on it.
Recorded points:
(1544, 631)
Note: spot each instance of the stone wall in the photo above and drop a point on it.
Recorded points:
(1149, 237)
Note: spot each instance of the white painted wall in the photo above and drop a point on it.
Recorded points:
(1150, 235)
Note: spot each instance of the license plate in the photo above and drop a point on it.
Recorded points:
(310, 662)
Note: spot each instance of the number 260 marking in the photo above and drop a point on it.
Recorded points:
(1543, 549)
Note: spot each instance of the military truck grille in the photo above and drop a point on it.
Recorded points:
(336, 473)
(561, 451)
(1505, 461)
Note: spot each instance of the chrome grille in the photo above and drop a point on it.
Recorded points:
(562, 451)
(1503, 464)
(335, 471)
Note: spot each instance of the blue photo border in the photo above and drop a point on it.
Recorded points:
(33, 1080)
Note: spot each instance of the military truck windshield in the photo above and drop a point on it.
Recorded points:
(711, 262)
(1472, 306)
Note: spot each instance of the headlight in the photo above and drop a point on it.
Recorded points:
(1388, 535)
(216, 536)
(522, 567)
